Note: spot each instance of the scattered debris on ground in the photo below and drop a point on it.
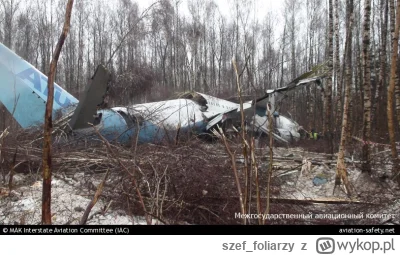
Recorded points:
(189, 183)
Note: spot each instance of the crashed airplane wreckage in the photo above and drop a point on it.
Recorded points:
(23, 91)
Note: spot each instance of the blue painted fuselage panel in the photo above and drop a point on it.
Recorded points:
(114, 128)
(24, 90)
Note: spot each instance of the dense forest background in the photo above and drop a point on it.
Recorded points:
(153, 53)
(175, 45)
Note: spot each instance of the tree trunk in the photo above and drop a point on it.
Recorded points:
(46, 161)
(390, 113)
(377, 112)
(396, 78)
(341, 173)
(366, 166)
(337, 68)
(328, 91)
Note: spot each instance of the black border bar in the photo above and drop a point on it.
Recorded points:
(199, 230)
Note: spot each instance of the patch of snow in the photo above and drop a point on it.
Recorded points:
(24, 206)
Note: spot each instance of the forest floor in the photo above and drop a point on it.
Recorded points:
(193, 183)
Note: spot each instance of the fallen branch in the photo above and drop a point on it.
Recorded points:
(320, 201)
(93, 202)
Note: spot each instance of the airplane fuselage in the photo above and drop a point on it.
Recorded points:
(150, 122)
(157, 121)
(24, 94)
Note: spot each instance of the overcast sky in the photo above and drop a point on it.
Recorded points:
(262, 8)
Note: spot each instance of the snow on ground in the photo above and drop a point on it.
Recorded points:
(318, 182)
(24, 205)
(69, 199)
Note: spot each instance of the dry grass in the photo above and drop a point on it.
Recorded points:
(191, 181)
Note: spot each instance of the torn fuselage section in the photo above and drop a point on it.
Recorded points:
(191, 113)
(163, 121)
(110, 124)
(227, 115)
(284, 129)
(150, 122)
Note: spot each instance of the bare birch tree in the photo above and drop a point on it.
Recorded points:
(341, 173)
(366, 166)
(327, 130)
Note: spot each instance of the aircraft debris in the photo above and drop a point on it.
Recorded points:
(24, 93)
